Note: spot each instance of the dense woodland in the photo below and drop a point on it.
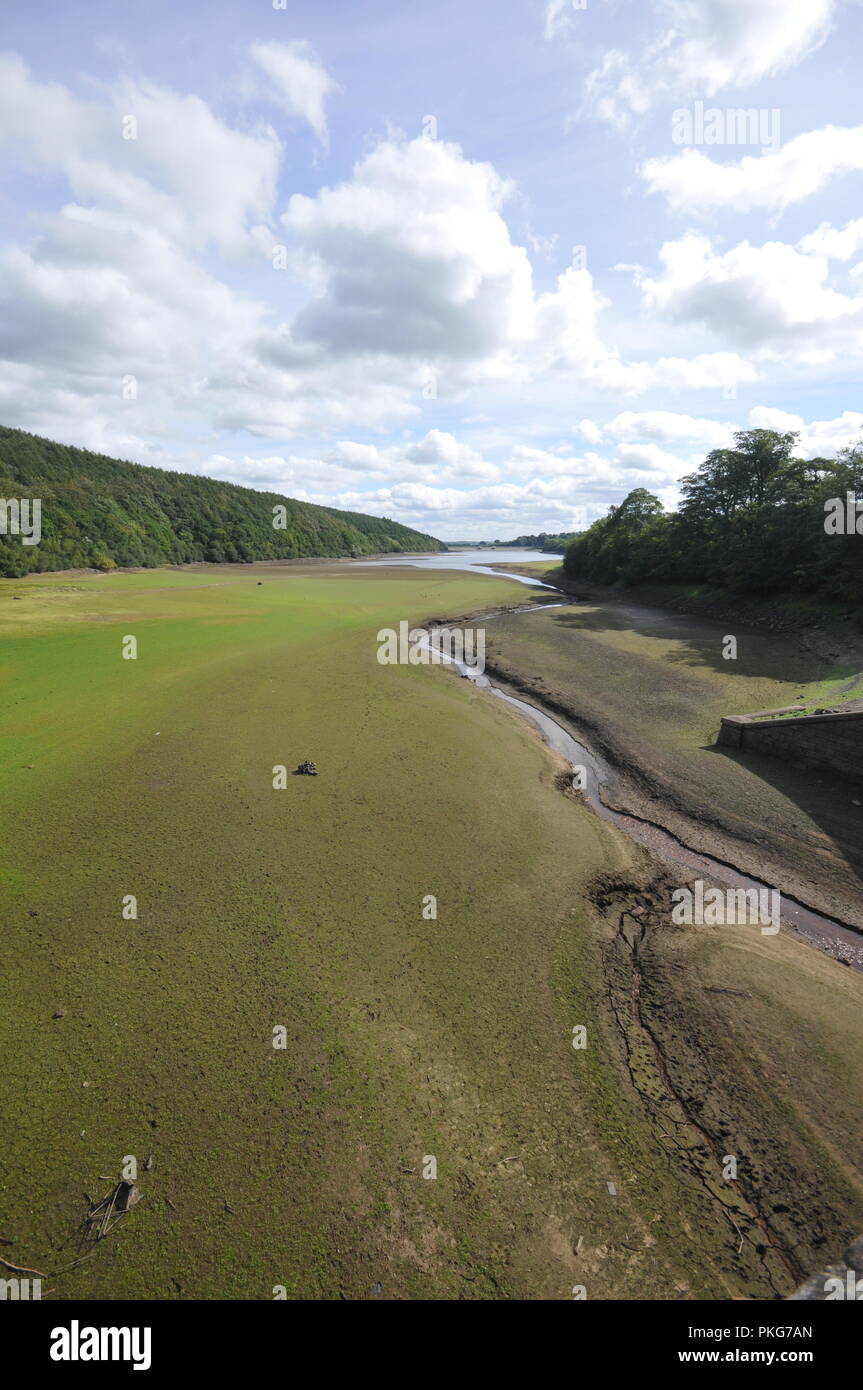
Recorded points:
(98, 512)
(754, 519)
(554, 543)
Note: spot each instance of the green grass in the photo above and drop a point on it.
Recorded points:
(302, 907)
(260, 907)
(840, 686)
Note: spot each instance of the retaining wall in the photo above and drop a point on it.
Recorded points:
(827, 742)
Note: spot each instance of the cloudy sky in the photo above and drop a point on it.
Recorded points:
(481, 267)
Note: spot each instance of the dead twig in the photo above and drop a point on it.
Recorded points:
(103, 1217)
(107, 1216)
(19, 1269)
(739, 1232)
(82, 1258)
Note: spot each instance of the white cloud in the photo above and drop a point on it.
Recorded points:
(418, 279)
(665, 426)
(773, 297)
(101, 298)
(416, 258)
(836, 243)
(706, 47)
(560, 16)
(297, 81)
(542, 491)
(691, 182)
(568, 343)
(402, 274)
(589, 431)
(425, 483)
(185, 172)
(505, 509)
(820, 438)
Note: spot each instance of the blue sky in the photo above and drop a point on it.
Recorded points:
(450, 263)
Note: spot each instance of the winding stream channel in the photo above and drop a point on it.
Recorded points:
(841, 942)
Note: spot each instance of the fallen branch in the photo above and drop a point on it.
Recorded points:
(19, 1269)
(80, 1260)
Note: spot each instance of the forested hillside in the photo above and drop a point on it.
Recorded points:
(100, 512)
(754, 519)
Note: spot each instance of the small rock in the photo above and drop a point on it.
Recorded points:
(59, 1013)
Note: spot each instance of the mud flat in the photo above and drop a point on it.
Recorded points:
(647, 689)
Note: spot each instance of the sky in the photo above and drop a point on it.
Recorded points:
(479, 267)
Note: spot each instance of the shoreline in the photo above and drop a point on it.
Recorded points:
(599, 744)
(239, 566)
(818, 629)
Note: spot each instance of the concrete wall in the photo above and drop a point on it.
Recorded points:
(827, 742)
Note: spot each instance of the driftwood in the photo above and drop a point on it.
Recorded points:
(19, 1269)
(103, 1217)
(99, 1222)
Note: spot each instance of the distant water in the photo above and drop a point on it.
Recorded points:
(476, 561)
(813, 927)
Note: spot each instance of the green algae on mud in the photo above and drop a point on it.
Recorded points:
(259, 908)
(302, 909)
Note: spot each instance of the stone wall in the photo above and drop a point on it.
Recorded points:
(827, 742)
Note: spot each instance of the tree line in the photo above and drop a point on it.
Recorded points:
(102, 513)
(754, 519)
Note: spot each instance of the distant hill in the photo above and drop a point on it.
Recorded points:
(99, 512)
